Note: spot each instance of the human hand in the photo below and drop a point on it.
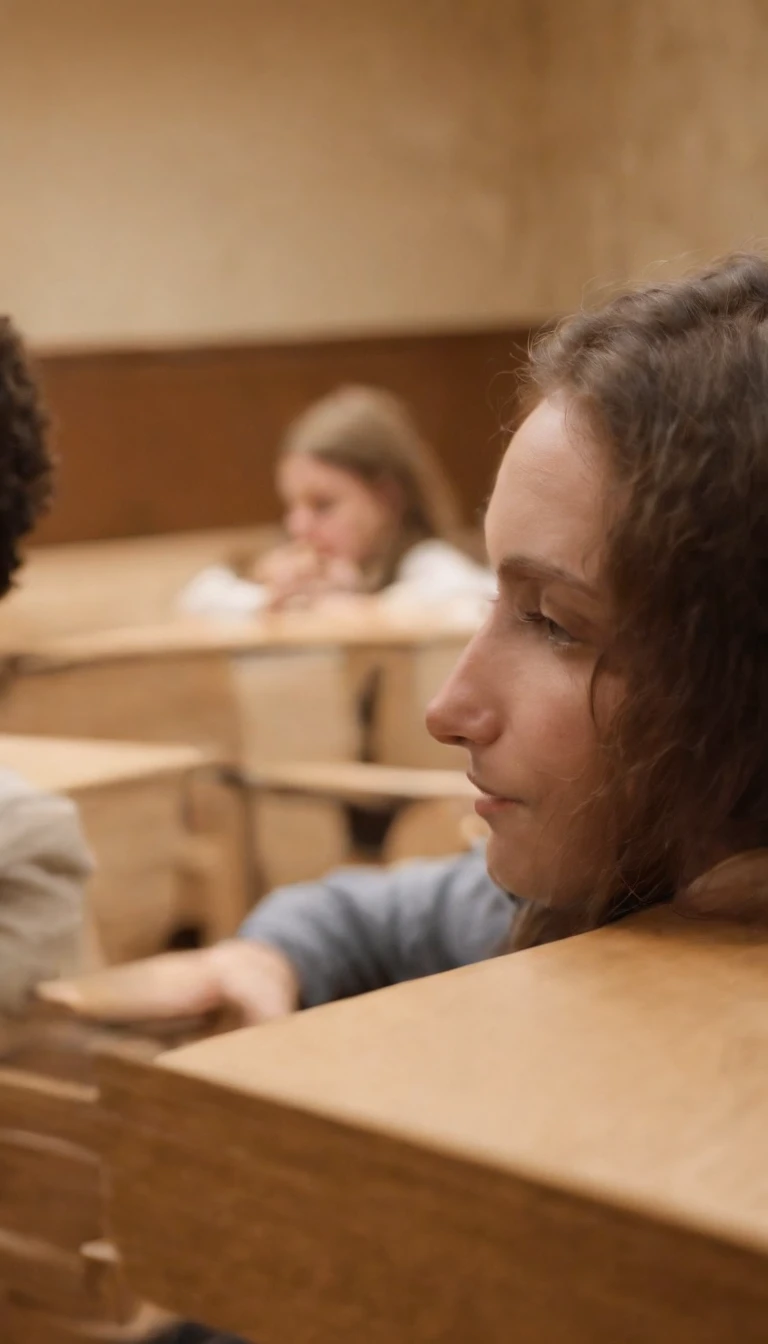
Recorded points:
(251, 979)
(299, 576)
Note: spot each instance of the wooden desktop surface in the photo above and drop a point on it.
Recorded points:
(568, 1145)
(285, 631)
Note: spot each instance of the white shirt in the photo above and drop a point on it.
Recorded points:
(432, 571)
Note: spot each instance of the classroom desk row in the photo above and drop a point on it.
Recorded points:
(150, 815)
(182, 844)
(249, 695)
(279, 688)
(166, 835)
(562, 1146)
(197, 752)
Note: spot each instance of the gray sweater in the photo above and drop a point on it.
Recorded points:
(44, 866)
(363, 928)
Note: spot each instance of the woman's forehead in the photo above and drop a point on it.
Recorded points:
(303, 471)
(549, 499)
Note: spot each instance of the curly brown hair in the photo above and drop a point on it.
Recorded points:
(673, 380)
(26, 466)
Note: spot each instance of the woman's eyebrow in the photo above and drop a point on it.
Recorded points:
(528, 567)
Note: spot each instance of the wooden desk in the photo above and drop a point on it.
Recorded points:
(569, 1145)
(426, 810)
(251, 691)
(97, 585)
(60, 1281)
(168, 848)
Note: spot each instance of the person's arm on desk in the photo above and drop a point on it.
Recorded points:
(357, 930)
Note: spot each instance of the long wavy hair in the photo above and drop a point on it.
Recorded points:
(673, 381)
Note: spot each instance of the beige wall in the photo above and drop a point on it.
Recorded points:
(653, 136)
(193, 169)
(186, 170)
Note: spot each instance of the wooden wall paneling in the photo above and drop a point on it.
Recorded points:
(167, 440)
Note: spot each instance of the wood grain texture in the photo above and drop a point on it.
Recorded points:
(50, 1107)
(431, 829)
(185, 698)
(25, 1324)
(49, 1189)
(62, 1282)
(360, 782)
(221, 686)
(64, 590)
(76, 765)
(567, 1145)
(166, 833)
(373, 627)
(167, 440)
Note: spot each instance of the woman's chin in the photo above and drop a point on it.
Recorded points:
(505, 868)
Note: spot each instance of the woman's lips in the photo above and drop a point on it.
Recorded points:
(489, 804)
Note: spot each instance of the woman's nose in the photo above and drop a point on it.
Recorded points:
(460, 714)
(298, 524)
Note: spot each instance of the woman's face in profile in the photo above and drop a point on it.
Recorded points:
(332, 511)
(519, 700)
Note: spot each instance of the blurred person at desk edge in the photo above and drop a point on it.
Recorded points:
(368, 512)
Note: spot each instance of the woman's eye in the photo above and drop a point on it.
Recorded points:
(556, 634)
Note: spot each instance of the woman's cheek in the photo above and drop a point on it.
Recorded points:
(561, 720)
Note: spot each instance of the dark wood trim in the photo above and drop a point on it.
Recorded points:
(167, 440)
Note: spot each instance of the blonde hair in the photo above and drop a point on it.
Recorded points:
(370, 434)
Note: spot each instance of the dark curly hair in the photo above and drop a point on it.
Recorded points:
(673, 380)
(26, 466)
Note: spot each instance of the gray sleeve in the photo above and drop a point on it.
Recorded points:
(44, 866)
(360, 929)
